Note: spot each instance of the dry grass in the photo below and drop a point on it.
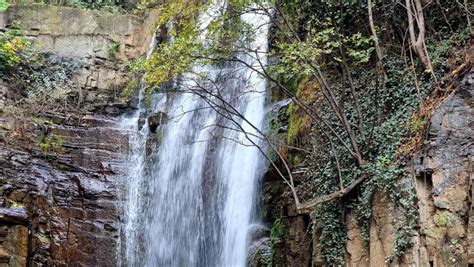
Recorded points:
(444, 90)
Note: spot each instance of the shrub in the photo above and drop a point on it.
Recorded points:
(52, 143)
(40, 77)
(15, 50)
(108, 6)
(3, 5)
(113, 48)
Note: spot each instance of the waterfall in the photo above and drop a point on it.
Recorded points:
(192, 181)
(135, 179)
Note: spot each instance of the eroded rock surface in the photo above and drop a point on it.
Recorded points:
(70, 192)
(445, 179)
(66, 170)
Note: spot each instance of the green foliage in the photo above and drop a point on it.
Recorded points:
(417, 125)
(50, 143)
(172, 59)
(34, 74)
(15, 49)
(299, 58)
(439, 50)
(48, 77)
(276, 233)
(443, 220)
(113, 48)
(225, 35)
(175, 57)
(329, 224)
(134, 77)
(360, 48)
(135, 67)
(3, 5)
(107, 6)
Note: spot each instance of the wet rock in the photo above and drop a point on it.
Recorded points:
(449, 152)
(294, 246)
(156, 120)
(444, 179)
(13, 245)
(259, 253)
(356, 255)
(13, 216)
(382, 230)
(71, 193)
(258, 231)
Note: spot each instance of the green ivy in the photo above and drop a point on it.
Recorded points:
(106, 6)
(330, 226)
(276, 234)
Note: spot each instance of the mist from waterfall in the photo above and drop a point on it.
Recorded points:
(192, 182)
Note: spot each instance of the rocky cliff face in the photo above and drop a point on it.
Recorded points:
(61, 173)
(441, 174)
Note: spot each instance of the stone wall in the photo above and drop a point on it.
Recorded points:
(87, 37)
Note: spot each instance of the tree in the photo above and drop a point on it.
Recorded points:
(416, 20)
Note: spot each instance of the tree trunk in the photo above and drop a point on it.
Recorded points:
(378, 50)
(415, 15)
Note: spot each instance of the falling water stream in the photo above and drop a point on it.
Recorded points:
(192, 182)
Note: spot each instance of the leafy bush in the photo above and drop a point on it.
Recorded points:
(33, 77)
(3, 5)
(51, 143)
(113, 48)
(108, 6)
(15, 50)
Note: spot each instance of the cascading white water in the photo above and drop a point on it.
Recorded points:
(191, 196)
(241, 161)
(135, 178)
